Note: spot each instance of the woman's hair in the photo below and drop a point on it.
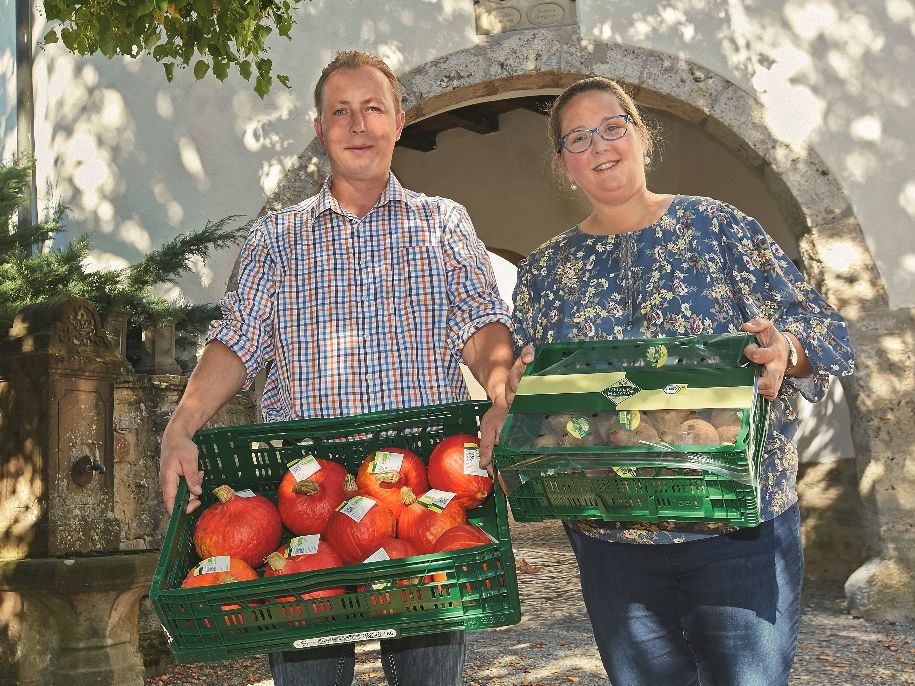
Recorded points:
(353, 59)
(599, 83)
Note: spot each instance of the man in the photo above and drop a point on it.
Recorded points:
(362, 298)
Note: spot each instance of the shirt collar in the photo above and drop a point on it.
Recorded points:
(393, 192)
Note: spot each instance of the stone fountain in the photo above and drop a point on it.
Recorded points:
(69, 597)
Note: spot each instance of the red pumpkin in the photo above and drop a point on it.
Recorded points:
(324, 557)
(238, 525)
(454, 466)
(226, 570)
(423, 520)
(305, 503)
(382, 478)
(391, 549)
(357, 526)
(459, 537)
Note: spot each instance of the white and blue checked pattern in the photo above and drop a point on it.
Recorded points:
(359, 315)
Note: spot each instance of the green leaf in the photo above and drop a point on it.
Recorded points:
(283, 79)
(262, 85)
(220, 69)
(244, 68)
(200, 69)
(51, 37)
(169, 71)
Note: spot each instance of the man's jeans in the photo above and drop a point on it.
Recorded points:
(722, 611)
(430, 660)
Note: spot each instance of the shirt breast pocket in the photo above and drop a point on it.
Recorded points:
(420, 289)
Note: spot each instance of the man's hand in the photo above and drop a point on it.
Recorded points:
(770, 351)
(517, 371)
(179, 458)
(490, 426)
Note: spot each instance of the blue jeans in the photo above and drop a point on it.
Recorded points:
(429, 660)
(722, 611)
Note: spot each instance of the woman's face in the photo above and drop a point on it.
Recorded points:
(608, 171)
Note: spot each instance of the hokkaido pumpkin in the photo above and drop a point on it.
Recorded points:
(383, 475)
(219, 570)
(357, 526)
(305, 554)
(310, 491)
(460, 537)
(426, 518)
(240, 524)
(454, 466)
(391, 549)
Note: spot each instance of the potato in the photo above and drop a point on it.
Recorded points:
(697, 432)
(726, 416)
(668, 420)
(617, 435)
(729, 433)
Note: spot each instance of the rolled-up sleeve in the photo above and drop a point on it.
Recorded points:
(246, 326)
(768, 284)
(473, 298)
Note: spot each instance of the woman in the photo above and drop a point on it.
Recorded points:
(677, 603)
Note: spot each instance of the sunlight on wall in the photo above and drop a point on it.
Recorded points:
(793, 112)
(99, 259)
(192, 163)
(907, 198)
(135, 235)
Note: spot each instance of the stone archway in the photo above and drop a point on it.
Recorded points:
(832, 246)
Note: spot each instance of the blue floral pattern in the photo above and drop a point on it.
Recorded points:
(704, 267)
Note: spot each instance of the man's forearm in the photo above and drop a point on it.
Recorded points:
(489, 355)
(217, 377)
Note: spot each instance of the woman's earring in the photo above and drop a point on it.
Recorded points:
(573, 186)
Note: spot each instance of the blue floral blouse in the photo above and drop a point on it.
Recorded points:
(704, 267)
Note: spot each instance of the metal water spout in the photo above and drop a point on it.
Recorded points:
(68, 596)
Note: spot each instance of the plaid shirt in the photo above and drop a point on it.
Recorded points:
(359, 315)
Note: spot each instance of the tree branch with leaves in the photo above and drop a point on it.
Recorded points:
(215, 35)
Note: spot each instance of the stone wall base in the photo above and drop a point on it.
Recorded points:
(882, 590)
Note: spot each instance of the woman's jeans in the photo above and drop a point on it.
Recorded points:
(429, 660)
(722, 611)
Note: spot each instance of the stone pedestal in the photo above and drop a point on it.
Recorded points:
(57, 371)
(883, 429)
(72, 621)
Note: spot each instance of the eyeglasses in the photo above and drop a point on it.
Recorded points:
(609, 129)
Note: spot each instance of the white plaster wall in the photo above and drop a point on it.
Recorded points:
(7, 79)
(139, 160)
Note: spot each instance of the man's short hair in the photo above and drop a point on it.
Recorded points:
(353, 59)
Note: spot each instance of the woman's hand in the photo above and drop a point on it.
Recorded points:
(770, 351)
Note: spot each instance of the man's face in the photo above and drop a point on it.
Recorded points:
(358, 124)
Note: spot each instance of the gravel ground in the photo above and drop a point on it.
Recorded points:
(553, 643)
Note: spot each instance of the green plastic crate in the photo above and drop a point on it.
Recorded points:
(467, 589)
(652, 482)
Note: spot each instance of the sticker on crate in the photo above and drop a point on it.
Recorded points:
(345, 638)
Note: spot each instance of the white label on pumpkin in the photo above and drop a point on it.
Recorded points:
(245, 493)
(356, 507)
(378, 556)
(436, 500)
(304, 467)
(385, 462)
(303, 545)
(472, 460)
(219, 563)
